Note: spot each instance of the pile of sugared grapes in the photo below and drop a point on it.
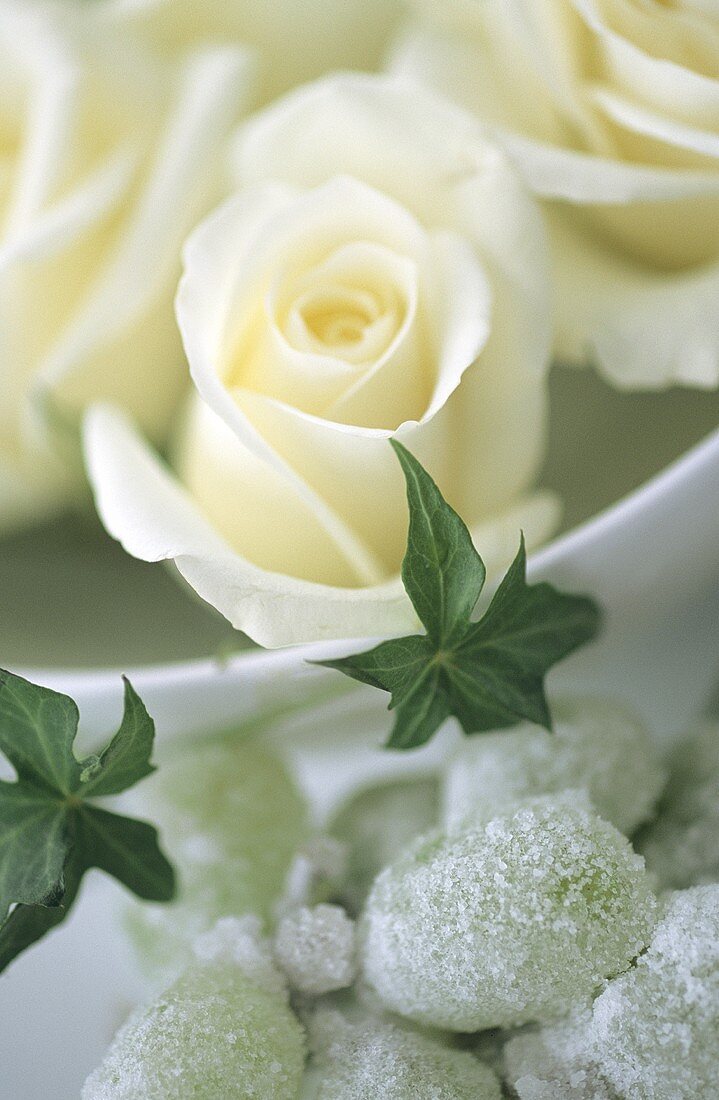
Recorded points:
(487, 931)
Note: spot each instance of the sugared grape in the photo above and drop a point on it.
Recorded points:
(507, 921)
(375, 1058)
(655, 1029)
(651, 1035)
(316, 949)
(554, 1063)
(596, 745)
(230, 819)
(222, 1031)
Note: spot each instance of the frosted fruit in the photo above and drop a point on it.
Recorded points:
(508, 921)
(230, 819)
(376, 1058)
(652, 1033)
(655, 1029)
(554, 1063)
(222, 1031)
(377, 823)
(682, 846)
(596, 745)
(316, 949)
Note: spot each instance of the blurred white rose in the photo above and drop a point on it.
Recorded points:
(296, 40)
(108, 156)
(381, 272)
(610, 108)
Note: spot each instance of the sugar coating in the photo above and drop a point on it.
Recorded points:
(596, 744)
(375, 1058)
(653, 1033)
(655, 1029)
(508, 921)
(377, 823)
(316, 949)
(682, 846)
(222, 1030)
(554, 1064)
(230, 819)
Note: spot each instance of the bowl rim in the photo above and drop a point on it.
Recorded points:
(547, 558)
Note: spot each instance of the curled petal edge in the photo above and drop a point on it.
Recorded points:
(147, 510)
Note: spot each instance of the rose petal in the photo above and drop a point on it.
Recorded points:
(234, 488)
(119, 321)
(645, 329)
(144, 507)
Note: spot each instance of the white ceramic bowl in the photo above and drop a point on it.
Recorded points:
(653, 562)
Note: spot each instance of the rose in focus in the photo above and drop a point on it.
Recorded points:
(380, 272)
(610, 109)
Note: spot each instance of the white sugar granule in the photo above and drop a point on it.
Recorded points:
(507, 922)
(316, 949)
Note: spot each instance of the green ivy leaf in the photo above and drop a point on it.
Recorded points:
(50, 833)
(488, 674)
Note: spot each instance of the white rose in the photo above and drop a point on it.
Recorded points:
(610, 108)
(108, 156)
(381, 273)
(296, 40)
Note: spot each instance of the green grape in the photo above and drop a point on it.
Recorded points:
(377, 823)
(222, 1031)
(376, 1058)
(230, 819)
(655, 1030)
(507, 921)
(682, 846)
(651, 1034)
(316, 949)
(596, 745)
(554, 1063)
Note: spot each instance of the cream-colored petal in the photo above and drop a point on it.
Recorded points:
(32, 264)
(351, 470)
(639, 120)
(676, 88)
(146, 509)
(458, 300)
(666, 35)
(398, 138)
(510, 83)
(218, 292)
(643, 328)
(253, 506)
(131, 297)
(335, 380)
(584, 179)
(535, 515)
